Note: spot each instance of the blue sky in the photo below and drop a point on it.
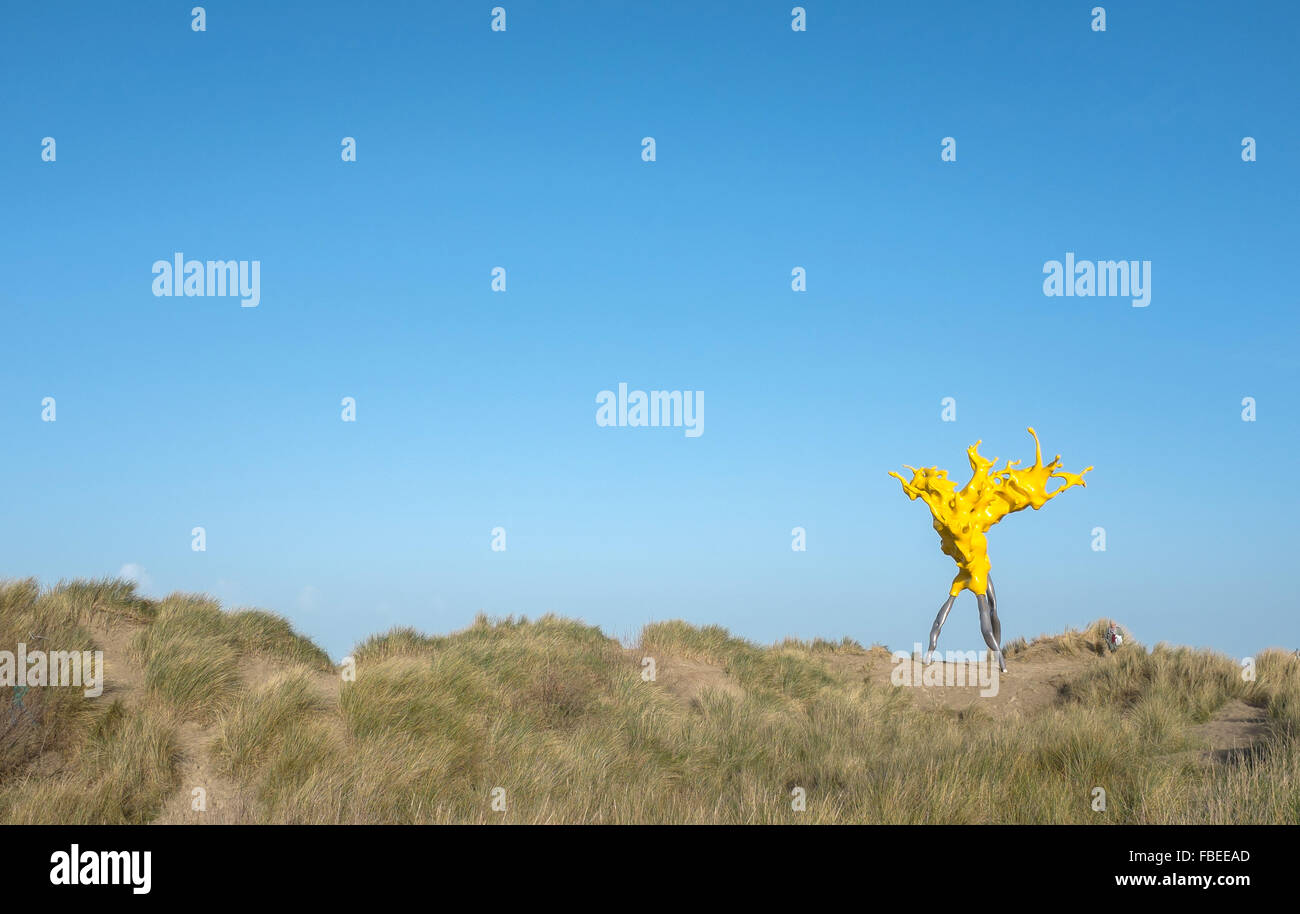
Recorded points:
(775, 149)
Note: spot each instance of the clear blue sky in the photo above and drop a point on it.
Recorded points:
(775, 149)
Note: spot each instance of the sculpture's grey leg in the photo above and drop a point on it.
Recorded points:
(986, 627)
(993, 611)
(938, 625)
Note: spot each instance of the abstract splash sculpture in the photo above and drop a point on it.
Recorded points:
(963, 517)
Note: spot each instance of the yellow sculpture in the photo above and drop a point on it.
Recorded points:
(963, 517)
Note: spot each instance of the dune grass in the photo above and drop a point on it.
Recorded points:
(40, 720)
(67, 758)
(120, 771)
(513, 721)
(787, 670)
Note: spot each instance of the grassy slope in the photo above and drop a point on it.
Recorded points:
(558, 715)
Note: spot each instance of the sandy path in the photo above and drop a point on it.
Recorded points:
(222, 800)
